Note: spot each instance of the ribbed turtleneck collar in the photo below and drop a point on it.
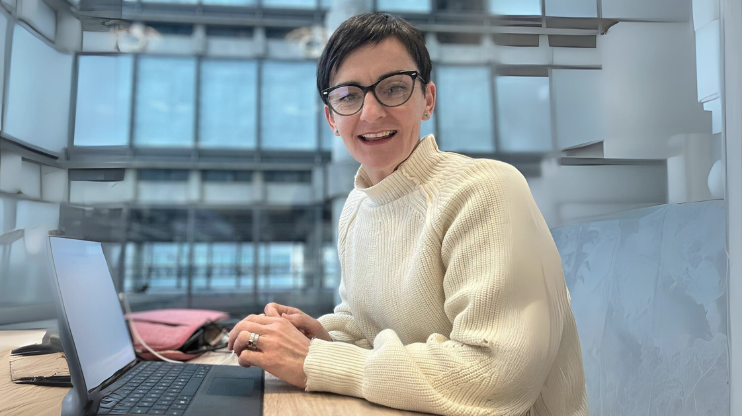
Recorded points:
(409, 174)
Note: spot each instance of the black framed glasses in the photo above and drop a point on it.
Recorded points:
(392, 90)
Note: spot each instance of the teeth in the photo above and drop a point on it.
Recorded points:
(382, 134)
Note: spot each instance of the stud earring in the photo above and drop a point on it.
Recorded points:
(426, 115)
(337, 131)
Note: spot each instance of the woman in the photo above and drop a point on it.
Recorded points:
(453, 297)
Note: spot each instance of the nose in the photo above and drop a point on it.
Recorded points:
(372, 110)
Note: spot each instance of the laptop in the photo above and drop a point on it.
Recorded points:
(107, 377)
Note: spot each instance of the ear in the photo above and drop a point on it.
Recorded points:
(429, 99)
(330, 119)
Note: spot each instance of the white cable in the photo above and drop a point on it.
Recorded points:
(136, 333)
(228, 359)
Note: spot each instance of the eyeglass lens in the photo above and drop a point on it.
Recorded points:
(391, 92)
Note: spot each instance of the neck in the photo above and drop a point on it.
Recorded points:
(377, 176)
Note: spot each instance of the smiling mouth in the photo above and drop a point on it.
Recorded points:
(377, 136)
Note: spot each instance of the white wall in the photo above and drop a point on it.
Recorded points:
(229, 193)
(280, 193)
(649, 85)
(84, 192)
(39, 89)
(732, 24)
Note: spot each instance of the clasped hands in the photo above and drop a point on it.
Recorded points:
(283, 345)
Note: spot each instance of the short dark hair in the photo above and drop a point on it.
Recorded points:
(368, 28)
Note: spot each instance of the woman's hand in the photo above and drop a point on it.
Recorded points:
(308, 326)
(281, 348)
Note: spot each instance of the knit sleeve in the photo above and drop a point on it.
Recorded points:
(340, 324)
(502, 277)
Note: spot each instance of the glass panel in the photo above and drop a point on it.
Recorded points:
(328, 136)
(103, 100)
(22, 256)
(416, 6)
(578, 116)
(223, 266)
(246, 266)
(281, 265)
(572, 8)
(165, 102)
(524, 114)
(172, 1)
(156, 267)
(231, 2)
(428, 126)
(464, 104)
(201, 261)
(228, 104)
(3, 30)
(673, 10)
(292, 4)
(516, 7)
(331, 266)
(38, 98)
(163, 271)
(289, 106)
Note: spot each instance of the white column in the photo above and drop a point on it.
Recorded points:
(732, 95)
(343, 167)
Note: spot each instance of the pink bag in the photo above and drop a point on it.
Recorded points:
(177, 334)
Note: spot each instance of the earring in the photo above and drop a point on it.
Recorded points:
(337, 131)
(426, 115)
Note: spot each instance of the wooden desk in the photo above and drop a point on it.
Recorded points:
(280, 398)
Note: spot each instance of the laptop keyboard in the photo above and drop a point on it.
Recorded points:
(154, 388)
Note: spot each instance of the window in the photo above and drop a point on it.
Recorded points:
(516, 7)
(568, 41)
(165, 102)
(38, 97)
(228, 101)
(459, 38)
(299, 176)
(172, 28)
(328, 135)
(428, 126)
(230, 31)
(291, 4)
(572, 8)
(96, 175)
(460, 5)
(289, 106)
(231, 2)
(163, 175)
(524, 114)
(464, 106)
(103, 100)
(226, 176)
(415, 6)
(513, 39)
(172, 1)
(281, 265)
(3, 30)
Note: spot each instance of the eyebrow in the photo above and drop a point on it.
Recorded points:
(354, 82)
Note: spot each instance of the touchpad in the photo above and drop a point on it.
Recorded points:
(225, 386)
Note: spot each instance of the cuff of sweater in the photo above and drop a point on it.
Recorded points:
(335, 367)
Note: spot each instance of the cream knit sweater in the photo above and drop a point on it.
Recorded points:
(453, 297)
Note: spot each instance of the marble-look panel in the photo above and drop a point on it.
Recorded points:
(649, 294)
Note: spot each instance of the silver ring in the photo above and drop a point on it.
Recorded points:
(252, 343)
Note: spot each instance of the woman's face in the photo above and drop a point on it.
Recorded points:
(364, 66)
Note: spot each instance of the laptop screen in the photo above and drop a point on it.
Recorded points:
(92, 308)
